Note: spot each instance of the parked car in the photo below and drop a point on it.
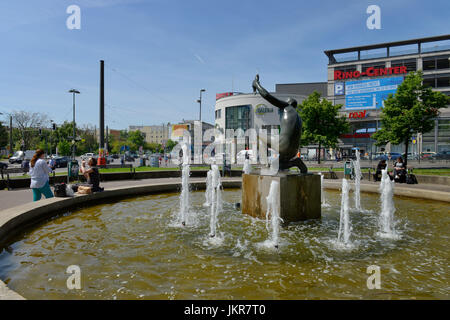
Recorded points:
(389, 156)
(443, 155)
(115, 156)
(61, 162)
(20, 156)
(109, 159)
(3, 166)
(86, 156)
(427, 155)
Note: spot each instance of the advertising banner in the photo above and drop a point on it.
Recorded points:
(370, 94)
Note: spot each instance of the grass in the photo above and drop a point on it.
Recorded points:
(436, 172)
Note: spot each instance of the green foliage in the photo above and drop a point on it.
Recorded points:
(321, 122)
(411, 110)
(135, 140)
(64, 148)
(170, 145)
(3, 136)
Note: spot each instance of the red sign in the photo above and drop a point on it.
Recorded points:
(370, 72)
(356, 135)
(356, 115)
(223, 95)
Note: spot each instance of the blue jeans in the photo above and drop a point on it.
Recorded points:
(45, 190)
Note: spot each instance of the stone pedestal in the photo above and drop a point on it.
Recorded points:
(300, 195)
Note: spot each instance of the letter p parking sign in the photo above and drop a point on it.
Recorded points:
(339, 89)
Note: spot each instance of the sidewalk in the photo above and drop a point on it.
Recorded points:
(9, 199)
(16, 197)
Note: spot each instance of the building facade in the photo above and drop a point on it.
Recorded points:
(361, 78)
(245, 111)
(154, 134)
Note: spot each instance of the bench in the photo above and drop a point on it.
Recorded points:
(11, 170)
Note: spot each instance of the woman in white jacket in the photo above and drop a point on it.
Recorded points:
(39, 171)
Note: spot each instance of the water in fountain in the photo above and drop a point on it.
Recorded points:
(358, 176)
(208, 192)
(184, 198)
(273, 211)
(345, 228)
(322, 192)
(216, 199)
(386, 219)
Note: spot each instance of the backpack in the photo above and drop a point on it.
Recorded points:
(60, 190)
(411, 179)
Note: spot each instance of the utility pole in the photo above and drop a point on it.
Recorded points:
(101, 158)
(74, 91)
(10, 135)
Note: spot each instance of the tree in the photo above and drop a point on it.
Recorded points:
(28, 123)
(411, 110)
(170, 145)
(64, 148)
(3, 136)
(321, 122)
(135, 140)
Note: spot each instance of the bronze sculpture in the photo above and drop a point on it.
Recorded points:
(290, 129)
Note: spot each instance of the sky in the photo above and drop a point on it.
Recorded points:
(159, 53)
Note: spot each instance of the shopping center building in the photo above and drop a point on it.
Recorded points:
(360, 79)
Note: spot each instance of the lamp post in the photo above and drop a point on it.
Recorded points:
(200, 102)
(73, 91)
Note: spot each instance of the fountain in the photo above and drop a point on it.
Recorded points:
(208, 192)
(358, 176)
(345, 228)
(386, 219)
(322, 193)
(247, 167)
(184, 197)
(216, 198)
(272, 211)
(299, 192)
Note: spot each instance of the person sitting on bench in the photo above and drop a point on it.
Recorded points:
(92, 175)
(399, 171)
(381, 166)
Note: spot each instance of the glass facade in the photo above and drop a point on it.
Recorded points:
(238, 117)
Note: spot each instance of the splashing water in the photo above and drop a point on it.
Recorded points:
(247, 168)
(344, 220)
(184, 197)
(322, 193)
(358, 176)
(208, 192)
(273, 211)
(386, 219)
(216, 199)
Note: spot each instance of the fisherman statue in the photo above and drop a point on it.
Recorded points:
(290, 129)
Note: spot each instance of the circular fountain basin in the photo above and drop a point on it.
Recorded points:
(137, 249)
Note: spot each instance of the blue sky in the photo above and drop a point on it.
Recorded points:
(159, 53)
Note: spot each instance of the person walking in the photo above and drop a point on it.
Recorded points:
(39, 171)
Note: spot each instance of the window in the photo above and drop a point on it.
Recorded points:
(377, 65)
(443, 81)
(237, 117)
(410, 64)
(436, 63)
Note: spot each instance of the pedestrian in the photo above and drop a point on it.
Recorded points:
(52, 163)
(122, 160)
(39, 171)
(92, 174)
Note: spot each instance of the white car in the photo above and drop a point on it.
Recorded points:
(86, 156)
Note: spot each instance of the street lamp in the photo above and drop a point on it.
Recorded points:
(200, 102)
(73, 91)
